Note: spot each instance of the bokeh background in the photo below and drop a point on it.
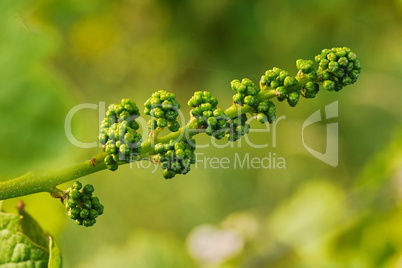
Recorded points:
(55, 55)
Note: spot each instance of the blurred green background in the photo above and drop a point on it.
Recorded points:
(58, 54)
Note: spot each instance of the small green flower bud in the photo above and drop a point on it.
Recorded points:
(88, 189)
(88, 222)
(281, 91)
(162, 122)
(180, 154)
(218, 112)
(84, 213)
(332, 56)
(71, 203)
(329, 85)
(74, 213)
(77, 185)
(206, 107)
(274, 84)
(168, 174)
(167, 105)
(102, 138)
(207, 114)
(306, 66)
(238, 98)
(289, 81)
(124, 149)
(351, 56)
(212, 121)
(75, 194)
(262, 107)
(271, 75)
(343, 62)
(251, 101)
(93, 214)
(173, 126)
(95, 202)
(293, 98)
(196, 111)
(324, 64)
(333, 66)
(262, 118)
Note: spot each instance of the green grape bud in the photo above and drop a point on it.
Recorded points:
(238, 98)
(157, 112)
(329, 85)
(324, 64)
(88, 189)
(262, 118)
(74, 213)
(93, 214)
(332, 56)
(333, 66)
(270, 75)
(218, 112)
(95, 202)
(293, 98)
(251, 101)
(306, 66)
(75, 194)
(281, 92)
(102, 138)
(161, 122)
(174, 126)
(290, 81)
(167, 105)
(84, 213)
(207, 114)
(206, 107)
(168, 174)
(262, 107)
(110, 148)
(180, 154)
(212, 121)
(343, 62)
(196, 111)
(310, 89)
(351, 56)
(274, 84)
(252, 89)
(77, 185)
(88, 222)
(124, 149)
(71, 203)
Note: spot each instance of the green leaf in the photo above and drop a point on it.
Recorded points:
(25, 244)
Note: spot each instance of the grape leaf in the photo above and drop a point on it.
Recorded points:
(25, 244)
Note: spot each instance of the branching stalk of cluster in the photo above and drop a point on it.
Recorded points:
(332, 69)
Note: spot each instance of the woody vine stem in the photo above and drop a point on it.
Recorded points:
(332, 70)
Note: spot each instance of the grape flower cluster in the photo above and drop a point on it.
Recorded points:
(118, 133)
(163, 108)
(215, 121)
(175, 157)
(332, 70)
(338, 67)
(81, 205)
